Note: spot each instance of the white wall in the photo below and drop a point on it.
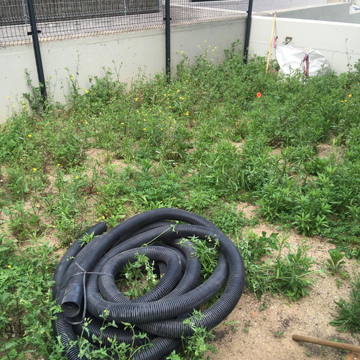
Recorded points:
(338, 42)
(330, 12)
(133, 53)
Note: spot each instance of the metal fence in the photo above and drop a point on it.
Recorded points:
(60, 19)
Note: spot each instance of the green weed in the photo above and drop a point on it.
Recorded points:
(138, 277)
(348, 312)
(335, 263)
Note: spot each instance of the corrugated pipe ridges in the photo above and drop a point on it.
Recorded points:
(85, 282)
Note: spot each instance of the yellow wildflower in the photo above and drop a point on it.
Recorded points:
(34, 169)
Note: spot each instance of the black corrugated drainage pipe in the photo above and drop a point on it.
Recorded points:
(84, 279)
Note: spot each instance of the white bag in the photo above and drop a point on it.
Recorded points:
(292, 61)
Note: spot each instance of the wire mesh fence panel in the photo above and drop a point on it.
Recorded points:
(59, 19)
(192, 11)
(14, 12)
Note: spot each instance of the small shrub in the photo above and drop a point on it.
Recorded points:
(348, 312)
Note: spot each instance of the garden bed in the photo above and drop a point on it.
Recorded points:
(273, 162)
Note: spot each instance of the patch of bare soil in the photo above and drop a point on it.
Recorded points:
(238, 145)
(247, 209)
(275, 152)
(251, 333)
(326, 150)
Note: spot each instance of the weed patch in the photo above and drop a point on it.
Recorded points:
(177, 140)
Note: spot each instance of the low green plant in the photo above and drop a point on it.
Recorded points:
(137, 277)
(23, 222)
(345, 275)
(279, 334)
(339, 283)
(207, 253)
(26, 300)
(348, 311)
(289, 274)
(247, 325)
(234, 324)
(109, 347)
(293, 271)
(226, 218)
(336, 262)
(196, 345)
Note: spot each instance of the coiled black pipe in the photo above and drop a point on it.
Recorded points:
(160, 312)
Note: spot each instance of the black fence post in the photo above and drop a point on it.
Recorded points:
(167, 38)
(248, 29)
(34, 33)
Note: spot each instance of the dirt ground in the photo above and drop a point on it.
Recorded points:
(251, 333)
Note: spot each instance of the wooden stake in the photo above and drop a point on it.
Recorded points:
(353, 348)
(271, 40)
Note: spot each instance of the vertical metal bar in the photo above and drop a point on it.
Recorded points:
(167, 38)
(34, 33)
(248, 29)
(26, 18)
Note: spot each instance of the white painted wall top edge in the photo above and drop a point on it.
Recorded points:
(303, 21)
(278, 12)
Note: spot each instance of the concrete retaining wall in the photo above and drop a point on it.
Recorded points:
(130, 54)
(330, 12)
(338, 42)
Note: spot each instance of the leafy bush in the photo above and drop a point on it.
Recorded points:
(348, 312)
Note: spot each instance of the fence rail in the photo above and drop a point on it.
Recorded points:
(61, 19)
(15, 12)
